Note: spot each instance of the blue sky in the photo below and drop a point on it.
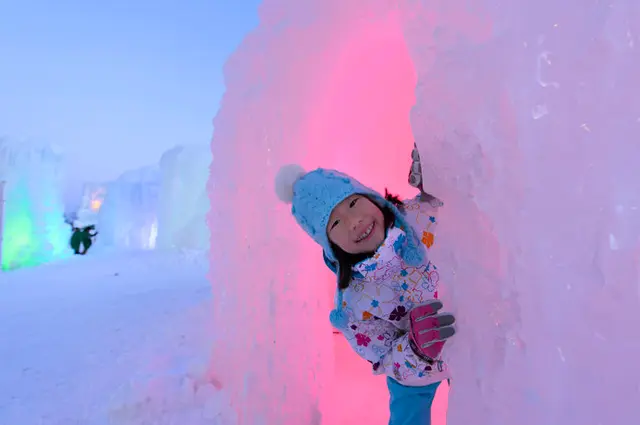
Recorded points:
(115, 83)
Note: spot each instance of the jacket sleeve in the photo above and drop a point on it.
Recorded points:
(421, 213)
(389, 354)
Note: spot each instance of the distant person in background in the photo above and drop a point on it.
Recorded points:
(82, 237)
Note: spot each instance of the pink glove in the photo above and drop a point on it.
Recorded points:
(429, 330)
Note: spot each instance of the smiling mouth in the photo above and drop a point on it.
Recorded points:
(367, 233)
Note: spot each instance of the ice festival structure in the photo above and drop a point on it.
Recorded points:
(163, 206)
(184, 201)
(32, 227)
(93, 195)
(527, 117)
(128, 216)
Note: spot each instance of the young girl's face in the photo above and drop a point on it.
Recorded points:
(356, 225)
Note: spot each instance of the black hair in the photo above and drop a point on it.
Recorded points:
(345, 260)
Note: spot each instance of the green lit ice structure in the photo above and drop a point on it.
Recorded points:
(32, 229)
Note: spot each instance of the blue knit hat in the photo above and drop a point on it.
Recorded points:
(315, 194)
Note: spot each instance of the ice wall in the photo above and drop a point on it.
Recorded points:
(289, 99)
(93, 195)
(32, 231)
(526, 115)
(128, 217)
(184, 201)
(529, 116)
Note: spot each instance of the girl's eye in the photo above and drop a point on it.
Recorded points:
(335, 223)
(353, 202)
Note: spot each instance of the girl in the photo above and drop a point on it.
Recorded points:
(386, 302)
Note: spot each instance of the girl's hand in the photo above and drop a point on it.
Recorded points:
(415, 179)
(430, 330)
(415, 172)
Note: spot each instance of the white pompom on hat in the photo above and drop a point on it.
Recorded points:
(286, 178)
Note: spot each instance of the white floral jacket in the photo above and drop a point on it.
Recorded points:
(383, 291)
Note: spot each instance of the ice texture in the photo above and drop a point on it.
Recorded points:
(527, 117)
(90, 204)
(128, 216)
(32, 227)
(184, 202)
(161, 206)
(288, 100)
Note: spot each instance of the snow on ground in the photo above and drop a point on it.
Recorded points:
(124, 339)
(82, 339)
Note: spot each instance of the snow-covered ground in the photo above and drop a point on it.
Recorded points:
(79, 338)
(124, 338)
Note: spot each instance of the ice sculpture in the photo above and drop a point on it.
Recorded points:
(93, 195)
(527, 118)
(32, 229)
(128, 217)
(184, 201)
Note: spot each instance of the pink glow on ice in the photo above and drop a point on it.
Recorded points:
(527, 121)
(345, 104)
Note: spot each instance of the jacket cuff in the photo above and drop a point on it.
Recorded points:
(419, 353)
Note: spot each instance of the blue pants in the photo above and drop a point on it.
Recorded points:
(410, 405)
